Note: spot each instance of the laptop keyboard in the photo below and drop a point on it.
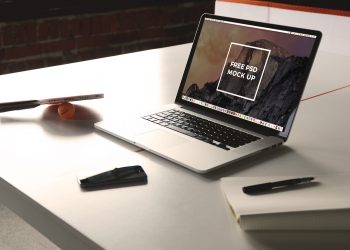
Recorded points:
(213, 133)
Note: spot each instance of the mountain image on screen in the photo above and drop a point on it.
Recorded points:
(242, 84)
(279, 90)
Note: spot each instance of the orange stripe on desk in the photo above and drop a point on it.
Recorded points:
(291, 7)
(324, 93)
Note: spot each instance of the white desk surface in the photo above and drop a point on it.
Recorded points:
(177, 209)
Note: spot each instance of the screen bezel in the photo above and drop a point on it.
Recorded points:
(234, 120)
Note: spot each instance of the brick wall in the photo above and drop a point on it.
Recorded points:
(42, 42)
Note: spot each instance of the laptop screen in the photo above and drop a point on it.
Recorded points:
(248, 70)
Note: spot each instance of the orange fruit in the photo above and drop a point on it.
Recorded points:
(66, 110)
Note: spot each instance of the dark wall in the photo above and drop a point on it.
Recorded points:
(40, 33)
(14, 10)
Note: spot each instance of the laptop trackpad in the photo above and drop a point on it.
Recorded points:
(160, 139)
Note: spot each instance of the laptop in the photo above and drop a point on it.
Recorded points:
(238, 95)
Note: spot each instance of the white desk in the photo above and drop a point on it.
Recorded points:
(177, 209)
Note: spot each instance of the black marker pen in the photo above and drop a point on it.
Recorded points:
(274, 185)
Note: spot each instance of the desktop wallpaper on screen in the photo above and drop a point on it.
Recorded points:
(252, 73)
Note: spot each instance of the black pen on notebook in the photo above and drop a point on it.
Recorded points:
(265, 187)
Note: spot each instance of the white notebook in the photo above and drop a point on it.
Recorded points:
(324, 205)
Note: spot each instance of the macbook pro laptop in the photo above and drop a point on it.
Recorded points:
(238, 96)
